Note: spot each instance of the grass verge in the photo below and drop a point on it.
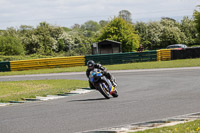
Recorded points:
(141, 65)
(189, 127)
(17, 90)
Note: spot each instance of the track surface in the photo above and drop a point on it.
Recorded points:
(143, 96)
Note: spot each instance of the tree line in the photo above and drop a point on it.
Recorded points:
(47, 39)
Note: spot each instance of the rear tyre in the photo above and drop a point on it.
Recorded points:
(115, 94)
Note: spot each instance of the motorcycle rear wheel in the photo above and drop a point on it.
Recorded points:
(115, 94)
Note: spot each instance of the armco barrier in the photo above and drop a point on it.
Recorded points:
(47, 63)
(4, 66)
(158, 55)
(120, 58)
(163, 54)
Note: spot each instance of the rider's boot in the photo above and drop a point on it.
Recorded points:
(113, 82)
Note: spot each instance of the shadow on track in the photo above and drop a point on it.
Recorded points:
(85, 100)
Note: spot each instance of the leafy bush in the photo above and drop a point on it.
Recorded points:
(10, 45)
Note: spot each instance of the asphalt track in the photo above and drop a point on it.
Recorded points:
(144, 95)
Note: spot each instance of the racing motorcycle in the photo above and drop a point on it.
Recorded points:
(102, 84)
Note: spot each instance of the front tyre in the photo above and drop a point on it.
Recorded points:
(103, 90)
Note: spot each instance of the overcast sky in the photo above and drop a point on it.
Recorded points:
(14, 13)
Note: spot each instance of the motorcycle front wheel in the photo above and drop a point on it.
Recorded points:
(103, 90)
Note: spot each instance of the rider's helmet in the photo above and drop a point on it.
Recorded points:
(90, 64)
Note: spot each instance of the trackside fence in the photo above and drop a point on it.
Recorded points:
(121, 58)
(105, 59)
(185, 53)
(163, 55)
(47, 63)
(4, 66)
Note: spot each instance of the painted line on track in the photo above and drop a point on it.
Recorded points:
(50, 97)
(154, 70)
(134, 127)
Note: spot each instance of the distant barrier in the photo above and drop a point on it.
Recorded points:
(4, 66)
(105, 59)
(185, 53)
(47, 63)
(163, 55)
(121, 58)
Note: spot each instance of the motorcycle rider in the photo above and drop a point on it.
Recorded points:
(91, 65)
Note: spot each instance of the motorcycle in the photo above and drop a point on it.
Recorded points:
(102, 84)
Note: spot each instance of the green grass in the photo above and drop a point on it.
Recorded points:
(40, 71)
(141, 65)
(22, 57)
(157, 64)
(17, 90)
(189, 127)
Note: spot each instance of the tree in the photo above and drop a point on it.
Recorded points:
(196, 15)
(167, 18)
(169, 22)
(154, 34)
(32, 43)
(142, 30)
(43, 39)
(171, 35)
(66, 29)
(44, 34)
(120, 30)
(66, 42)
(189, 29)
(82, 44)
(126, 15)
(10, 42)
(76, 27)
(90, 26)
(10, 45)
(103, 23)
(25, 28)
(160, 34)
(11, 31)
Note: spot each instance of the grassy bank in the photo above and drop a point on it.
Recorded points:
(141, 65)
(189, 127)
(22, 57)
(17, 90)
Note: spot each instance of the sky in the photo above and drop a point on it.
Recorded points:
(66, 13)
